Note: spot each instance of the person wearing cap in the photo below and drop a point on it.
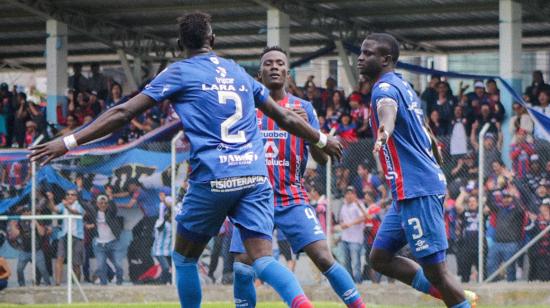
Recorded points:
(478, 97)
(352, 223)
(539, 254)
(163, 234)
(105, 227)
(508, 215)
(19, 236)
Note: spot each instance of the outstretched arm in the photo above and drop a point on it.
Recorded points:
(294, 124)
(110, 121)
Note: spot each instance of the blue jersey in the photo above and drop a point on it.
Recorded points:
(286, 155)
(215, 99)
(407, 159)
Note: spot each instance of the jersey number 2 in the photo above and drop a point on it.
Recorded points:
(239, 137)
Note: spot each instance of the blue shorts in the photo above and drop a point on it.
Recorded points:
(417, 221)
(3, 284)
(247, 201)
(298, 223)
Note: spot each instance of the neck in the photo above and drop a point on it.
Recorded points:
(278, 94)
(194, 52)
(385, 70)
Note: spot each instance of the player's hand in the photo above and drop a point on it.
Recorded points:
(301, 112)
(381, 140)
(47, 151)
(333, 148)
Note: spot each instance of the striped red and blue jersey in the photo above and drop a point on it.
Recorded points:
(407, 158)
(286, 155)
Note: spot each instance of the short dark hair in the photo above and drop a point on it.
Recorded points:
(389, 42)
(273, 48)
(194, 29)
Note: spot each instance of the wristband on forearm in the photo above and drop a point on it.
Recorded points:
(323, 140)
(70, 142)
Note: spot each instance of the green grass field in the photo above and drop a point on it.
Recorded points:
(210, 305)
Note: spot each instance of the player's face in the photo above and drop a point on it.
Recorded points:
(369, 62)
(274, 69)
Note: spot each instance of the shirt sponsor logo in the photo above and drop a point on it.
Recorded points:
(225, 80)
(235, 159)
(421, 245)
(274, 134)
(238, 183)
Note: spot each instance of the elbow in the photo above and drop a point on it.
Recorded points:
(121, 115)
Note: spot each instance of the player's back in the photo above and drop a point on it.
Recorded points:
(215, 100)
(407, 158)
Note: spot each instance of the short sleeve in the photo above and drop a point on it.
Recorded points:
(383, 90)
(261, 93)
(165, 84)
(312, 116)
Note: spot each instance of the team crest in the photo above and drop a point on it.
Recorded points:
(214, 60)
(384, 86)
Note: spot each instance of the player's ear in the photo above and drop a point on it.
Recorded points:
(387, 60)
(259, 75)
(212, 39)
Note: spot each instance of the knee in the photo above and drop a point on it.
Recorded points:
(377, 260)
(243, 258)
(435, 275)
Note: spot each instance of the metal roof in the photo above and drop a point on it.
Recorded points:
(98, 27)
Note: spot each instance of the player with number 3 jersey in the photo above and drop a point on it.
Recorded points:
(286, 158)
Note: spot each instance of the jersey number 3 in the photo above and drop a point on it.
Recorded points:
(223, 98)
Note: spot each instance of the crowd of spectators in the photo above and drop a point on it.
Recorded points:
(23, 111)
(517, 206)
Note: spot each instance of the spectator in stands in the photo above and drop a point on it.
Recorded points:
(339, 103)
(536, 175)
(72, 124)
(19, 235)
(116, 96)
(21, 117)
(96, 105)
(312, 95)
(327, 95)
(347, 129)
(436, 126)
(520, 153)
(539, 254)
(69, 206)
(477, 98)
(467, 233)
(521, 120)
(444, 104)
(77, 81)
(366, 182)
(31, 133)
(542, 107)
(372, 224)
(352, 222)
(5, 273)
(508, 223)
(105, 226)
(9, 105)
(429, 96)
(343, 180)
(319, 202)
(491, 87)
(162, 245)
(532, 92)
(492, 153)
(97, 82)
(293, 89)
(133, 132)
(331, 119)
(459, 133)
(359, 116)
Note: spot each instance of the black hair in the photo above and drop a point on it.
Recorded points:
(388, 42)
(273, 48)
(194, 30)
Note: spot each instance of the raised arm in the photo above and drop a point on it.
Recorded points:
(108, 122)
(294, 124)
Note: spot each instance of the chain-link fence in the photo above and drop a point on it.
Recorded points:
(127, 199)
(514, 212)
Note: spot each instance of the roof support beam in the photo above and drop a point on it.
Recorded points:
(111, 34)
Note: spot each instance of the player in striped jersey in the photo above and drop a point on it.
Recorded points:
(286, 159)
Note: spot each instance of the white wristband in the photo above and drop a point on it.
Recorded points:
(323, 139)
(70, 142)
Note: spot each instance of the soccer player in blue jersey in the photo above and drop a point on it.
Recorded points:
(286, 160)
(216, 101)
(408, 156)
